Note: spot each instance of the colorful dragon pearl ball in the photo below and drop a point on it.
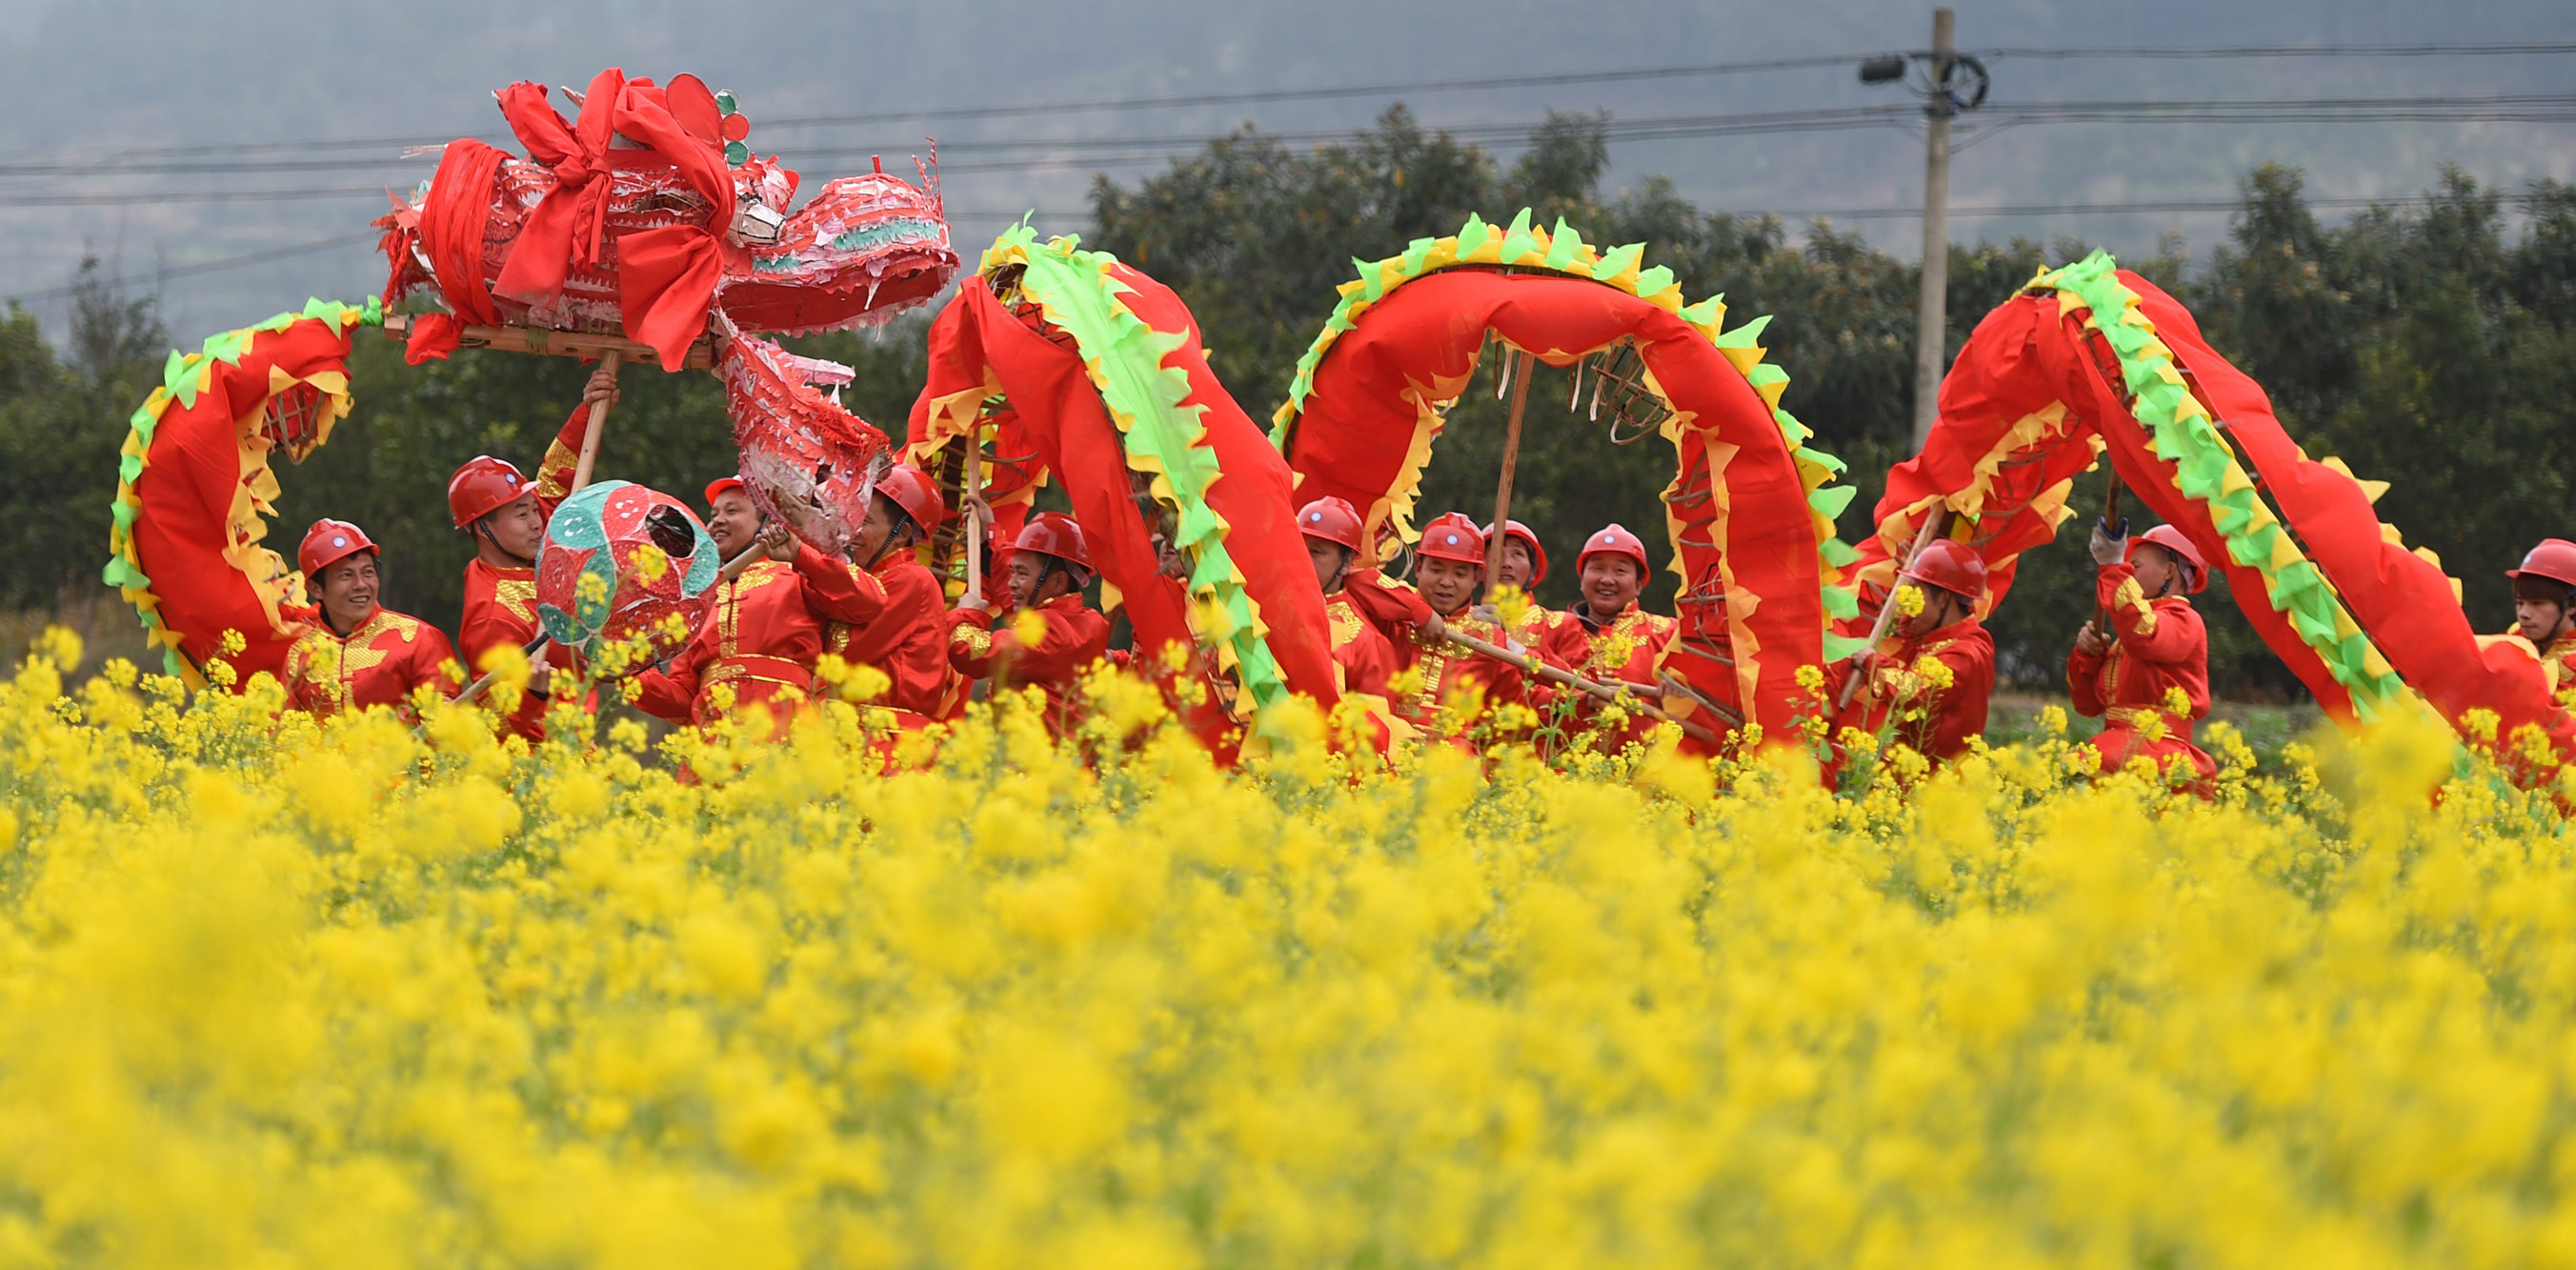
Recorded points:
(619, 560)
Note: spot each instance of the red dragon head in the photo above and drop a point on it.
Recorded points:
(647, 216)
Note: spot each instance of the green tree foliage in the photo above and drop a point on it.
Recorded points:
(2428, 344)
(62, 420)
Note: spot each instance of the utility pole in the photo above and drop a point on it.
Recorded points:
(1953, 82)
(1932, 313)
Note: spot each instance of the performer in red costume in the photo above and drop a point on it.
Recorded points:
(2155, 652)
(1937, 719)
(507, 513)
(1605, 636)
(1049, 568)
(1362, 655)
(907, 639)
(1448, 569)
(360, 653)
(1524, 566)
(2544, 590)
(754, 653)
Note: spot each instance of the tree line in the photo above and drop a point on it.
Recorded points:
(2430, 343)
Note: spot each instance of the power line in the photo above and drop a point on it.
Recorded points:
(2132, 207)
(1249, 96)
(2499, 107)
(216, 266)
(2100, 209)
(1469, 84)
(2154, 52)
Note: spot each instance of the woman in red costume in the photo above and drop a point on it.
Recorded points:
(756, 649)
(1361, 654)
(360, 653)
(1937, 719)
(507, 513)
(1049, 567)
(2148, 676)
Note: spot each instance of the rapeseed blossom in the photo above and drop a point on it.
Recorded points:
(349, 994)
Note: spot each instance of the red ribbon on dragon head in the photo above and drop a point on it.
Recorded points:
(647, 216)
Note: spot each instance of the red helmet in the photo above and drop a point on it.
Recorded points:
(1452, 536)
(328, 542)
(481, 487)
(2554, 559)
(1538, 554)
(724, 485)
(1054, 534)
(1331, 519)
(1614, 539)
(1951, 566)
(914, 492)
(2171, 539)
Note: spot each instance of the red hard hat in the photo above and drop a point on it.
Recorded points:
(484, 485)
(1951, 566)
(1451, 536)
(2171, 539)
(2554, 559)
(1538, 554)
(1331, 519)
(328, 542)
(914, 492)
(1054, 534)
(722, 485)
(1614, 539)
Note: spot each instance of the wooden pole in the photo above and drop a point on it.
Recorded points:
(1934, 521)
(597, 427)
(1619, 694)
(533, 648)
(974, 486)
(574, 344)
(1674, 685)
(1526, 363)
(733, 568)
(2110, 517)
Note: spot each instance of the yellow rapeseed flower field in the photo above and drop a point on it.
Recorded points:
(276, 995)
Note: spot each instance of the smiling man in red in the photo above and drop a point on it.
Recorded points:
(1605, 636)
(359, 653)
(755, 652)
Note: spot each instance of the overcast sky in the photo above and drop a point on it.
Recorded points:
(95, 85)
